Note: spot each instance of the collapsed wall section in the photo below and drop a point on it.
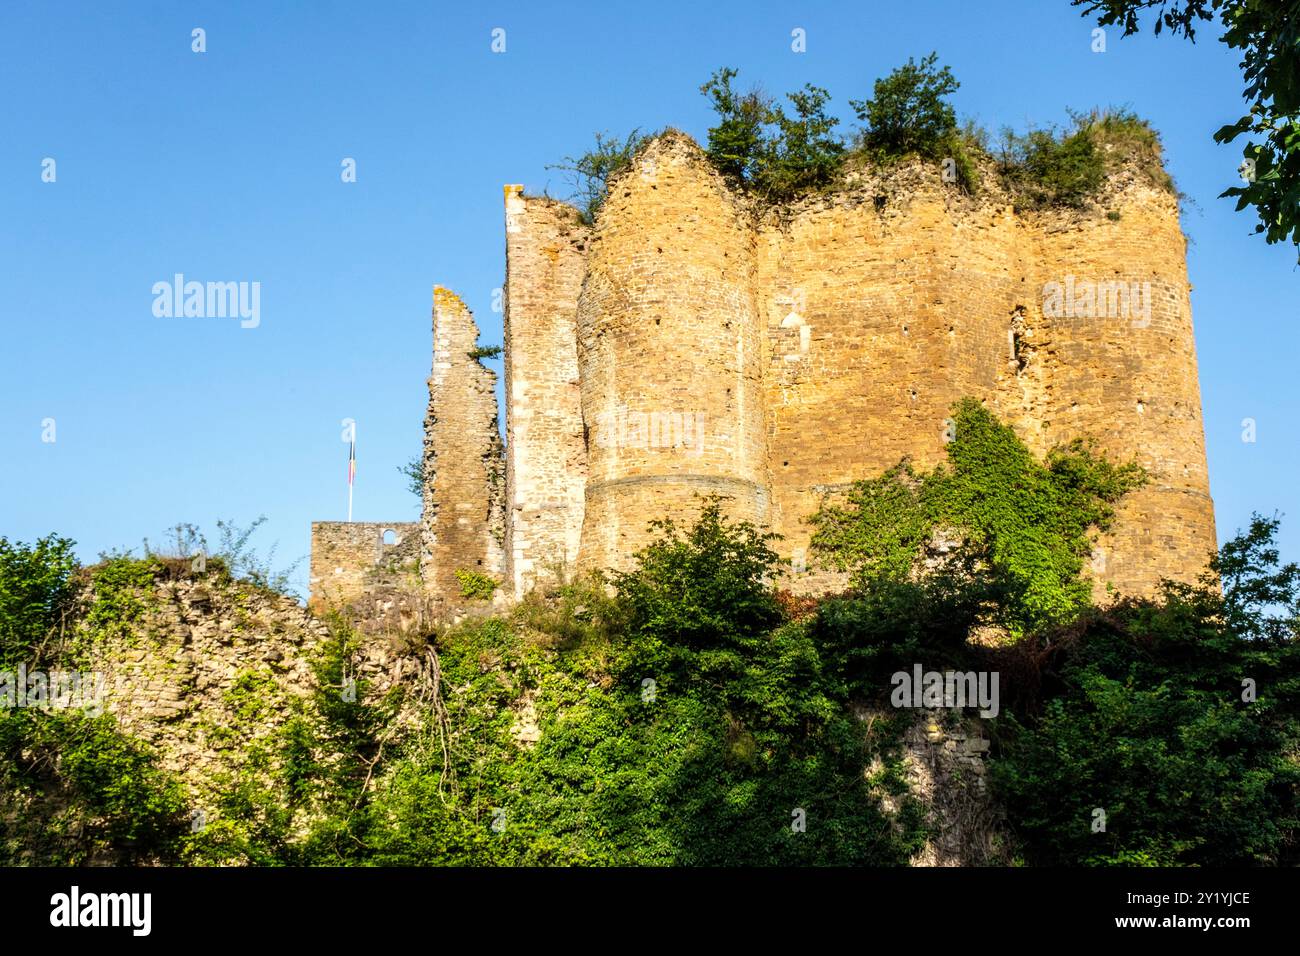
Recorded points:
(464, 486)
(546, 456)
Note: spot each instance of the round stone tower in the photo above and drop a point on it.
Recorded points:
(669, 354)
(1114, 320)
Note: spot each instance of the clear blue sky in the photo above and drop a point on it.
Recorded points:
(225, 166)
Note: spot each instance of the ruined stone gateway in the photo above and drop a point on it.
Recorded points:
(692, 343)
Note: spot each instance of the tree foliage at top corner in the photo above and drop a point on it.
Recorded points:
(1268, 36)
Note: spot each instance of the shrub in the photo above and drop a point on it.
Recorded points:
(1048, 169)
(37, 586)
(592, 171)
(803, 153)
(695, 597)
(96, 789)
(908, 112)
(120, 589)
(738, 143)
(1051, 167)
(475, 584)
(993, 518)
(570, 613)
(244, 562)
(1147, 716)
(760, 146)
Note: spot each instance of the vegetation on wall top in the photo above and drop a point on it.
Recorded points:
(778, 152)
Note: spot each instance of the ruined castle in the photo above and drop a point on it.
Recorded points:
(692, 343)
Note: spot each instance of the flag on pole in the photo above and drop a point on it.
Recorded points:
(352, 467)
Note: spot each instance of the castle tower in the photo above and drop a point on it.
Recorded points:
(1114, 332)
(546, 456)
(669, 354)
(463, 522)
(694, 343)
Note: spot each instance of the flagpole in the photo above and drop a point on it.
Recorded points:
(352, 468)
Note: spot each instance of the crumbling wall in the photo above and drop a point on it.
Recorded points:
(694, 344)
(546, 455)
(365, 562)
(464, 468)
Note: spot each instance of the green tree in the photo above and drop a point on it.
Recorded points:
(1268, 36)
(37, 586)
(737, 143)
(804, 152)
(1177, 718)
(776, 153)
(908, 111)
(699, 595)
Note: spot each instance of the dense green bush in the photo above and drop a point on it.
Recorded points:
(1066, 167)
(908, 112)
(673, 714)
(37, 585)
(1053, 169)
(693, 740)
(96, 791)
(737, 144)
(775, 153)
(1175, 722)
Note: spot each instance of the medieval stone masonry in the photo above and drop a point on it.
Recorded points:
(694, 343)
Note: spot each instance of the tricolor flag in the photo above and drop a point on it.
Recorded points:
(352, 461)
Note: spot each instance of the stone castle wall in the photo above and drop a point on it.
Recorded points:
(464, 480)
(691, 343)
(351, 560)
(546, 454)
(880, 315)
(825, 343)
(670, 353)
